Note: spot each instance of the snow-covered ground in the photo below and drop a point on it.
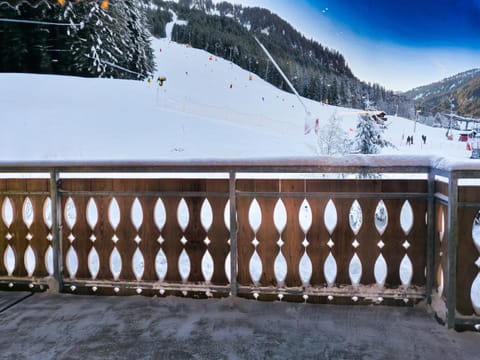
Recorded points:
(207, 108)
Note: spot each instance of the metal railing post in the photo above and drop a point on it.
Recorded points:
(56, 229)
(452, 239)
(430, 261)
(233, 234)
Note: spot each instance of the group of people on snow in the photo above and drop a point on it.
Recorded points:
(410, 139)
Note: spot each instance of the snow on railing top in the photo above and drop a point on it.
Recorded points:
(353, 163)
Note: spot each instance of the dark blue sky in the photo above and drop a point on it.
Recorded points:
(422, 23)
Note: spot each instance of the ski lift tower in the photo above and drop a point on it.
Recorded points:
(449, 131)
(417, 112)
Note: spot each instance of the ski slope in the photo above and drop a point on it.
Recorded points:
(208, 108)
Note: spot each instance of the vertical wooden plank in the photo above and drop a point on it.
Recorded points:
(126, 233)
(267, 237)
(172, 234)
(195, 235)
(244, 240)
(219, 235)
(293, 235)
(418, 240)
(245, 248)
(19, 243)
(65, 243)
(39, 231)
(343, 238)
(81, 231)
(149, 233)
(393, 237)
(368, 237)
(318, 238)
(103, 232)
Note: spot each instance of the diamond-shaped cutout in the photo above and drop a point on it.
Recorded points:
(115, 238)
(255, 242)
(71, 237)
(330, 243)
(50, 237)
(160, 240)
(138, 239)
(381, 244)
(29, 237)
(406, 245)
(478, 262)
(8, 236)
(280, 242)
(207, 241)
(305, 243)
(93, 238)
(228, 242)
(355, 244)
(183, 240)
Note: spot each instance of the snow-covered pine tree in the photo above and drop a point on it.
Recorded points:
(112, 42)
(93, 41)
(368, 138)
(332, 139)
(135, 39)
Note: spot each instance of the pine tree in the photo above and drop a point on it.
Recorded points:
(93, 41)
(332, 139)
(135, 39)
(109, 43)
(368, 138)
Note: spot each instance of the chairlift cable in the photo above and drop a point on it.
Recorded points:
(121, 68)
(105, 62)
(307, 112)
(36, 22)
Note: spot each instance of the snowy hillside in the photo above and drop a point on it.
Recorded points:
(207, 108)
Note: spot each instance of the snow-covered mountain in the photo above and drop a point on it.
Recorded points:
(207, 108)
(462, 89)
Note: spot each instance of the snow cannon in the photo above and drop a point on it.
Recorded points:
(161, 80)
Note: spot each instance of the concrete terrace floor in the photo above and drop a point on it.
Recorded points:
(52, 326)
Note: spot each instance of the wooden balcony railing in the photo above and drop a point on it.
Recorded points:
(353, 230)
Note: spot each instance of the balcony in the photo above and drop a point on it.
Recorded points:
(353, 231)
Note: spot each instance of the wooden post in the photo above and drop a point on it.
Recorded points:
(56, 229)
(452, 239)
(233, 235)
(430, 250)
